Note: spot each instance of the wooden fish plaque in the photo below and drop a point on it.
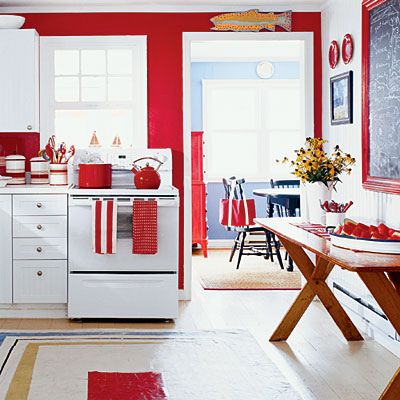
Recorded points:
(252, 21)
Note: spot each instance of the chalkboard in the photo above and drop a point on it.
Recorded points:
(384, 90)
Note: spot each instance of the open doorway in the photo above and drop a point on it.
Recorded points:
(248, 100)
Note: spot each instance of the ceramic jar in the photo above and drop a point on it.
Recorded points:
(15, 168)
(39, 171)
(315, 193)
(58, 174)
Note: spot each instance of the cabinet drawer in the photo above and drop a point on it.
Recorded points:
(40, 281)
(38, 226)
(40, 249)
(50, 204)
(123, 296)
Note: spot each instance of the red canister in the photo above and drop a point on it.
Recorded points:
(95, 176)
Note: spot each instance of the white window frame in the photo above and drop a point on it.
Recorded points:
(49, 44)
(263, 132)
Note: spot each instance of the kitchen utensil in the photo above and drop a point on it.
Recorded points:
(71, 153)
(39, 171)
(15, 167)
(146, 177)
(49, 152)
(95, 176)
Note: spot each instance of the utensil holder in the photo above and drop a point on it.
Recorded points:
(58, 174)
(334, 219)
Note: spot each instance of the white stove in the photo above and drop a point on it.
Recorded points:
(123, 285)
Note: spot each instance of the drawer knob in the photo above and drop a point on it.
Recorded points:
(39, 205)
(39, 227)
(29, 127)
(39, 273)
(39, 249)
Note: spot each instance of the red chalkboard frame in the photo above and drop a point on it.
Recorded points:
(369, 182)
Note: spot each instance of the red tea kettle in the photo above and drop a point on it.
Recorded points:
(146, 177)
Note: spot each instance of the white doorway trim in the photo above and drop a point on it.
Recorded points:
(307, 71)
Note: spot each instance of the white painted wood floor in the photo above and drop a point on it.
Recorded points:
(316, 360)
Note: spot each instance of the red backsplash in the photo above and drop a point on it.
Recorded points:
(27, 144)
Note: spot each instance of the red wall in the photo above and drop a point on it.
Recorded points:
(164, 46)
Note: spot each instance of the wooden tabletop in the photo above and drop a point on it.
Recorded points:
(351, 260)
(264, 192)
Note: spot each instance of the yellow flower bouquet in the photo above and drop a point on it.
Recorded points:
(312, 164)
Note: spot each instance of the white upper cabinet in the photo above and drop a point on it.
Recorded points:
(19, 80)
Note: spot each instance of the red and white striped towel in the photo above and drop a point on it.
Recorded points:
(144, 227)
(104, 229)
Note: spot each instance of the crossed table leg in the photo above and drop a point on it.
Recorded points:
(316, 286)
(384, 287)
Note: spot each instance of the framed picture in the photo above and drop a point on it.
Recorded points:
(342, 99)
(380, 96)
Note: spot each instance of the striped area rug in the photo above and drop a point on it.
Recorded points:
(137, 365)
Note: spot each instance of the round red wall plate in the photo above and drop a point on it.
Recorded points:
(334, 54)
(347, 48)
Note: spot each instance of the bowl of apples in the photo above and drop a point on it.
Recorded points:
(361, 237)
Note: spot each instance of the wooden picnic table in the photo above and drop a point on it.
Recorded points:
(379, 272)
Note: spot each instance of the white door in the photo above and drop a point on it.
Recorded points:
(19, 80)
(5, 249)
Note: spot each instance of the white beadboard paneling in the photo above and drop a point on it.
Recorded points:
(19, 80)
(338, 18)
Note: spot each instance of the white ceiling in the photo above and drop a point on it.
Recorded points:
(8, 6)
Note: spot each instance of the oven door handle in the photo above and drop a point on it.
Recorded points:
(87, 202)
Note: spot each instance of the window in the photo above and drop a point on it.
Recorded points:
(95, 83)
(248, 125)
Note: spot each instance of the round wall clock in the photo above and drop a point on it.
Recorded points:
(333, 54)
(265, 69)
(347, 48)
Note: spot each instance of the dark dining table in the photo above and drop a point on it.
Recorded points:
(289, 198)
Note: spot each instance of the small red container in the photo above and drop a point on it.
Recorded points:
(95, 176)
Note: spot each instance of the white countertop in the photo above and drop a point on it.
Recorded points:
(32, 189)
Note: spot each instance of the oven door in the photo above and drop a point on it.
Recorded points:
(82, 258)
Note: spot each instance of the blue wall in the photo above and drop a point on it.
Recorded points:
(229, 70)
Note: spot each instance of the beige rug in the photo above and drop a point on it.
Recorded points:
(191, 365)
(255, 273)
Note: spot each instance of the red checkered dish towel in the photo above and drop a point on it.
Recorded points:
(104, 229)
(144, 227)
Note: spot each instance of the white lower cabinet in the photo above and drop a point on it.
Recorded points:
(5, 249)
(40, 281)
(36, 231)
